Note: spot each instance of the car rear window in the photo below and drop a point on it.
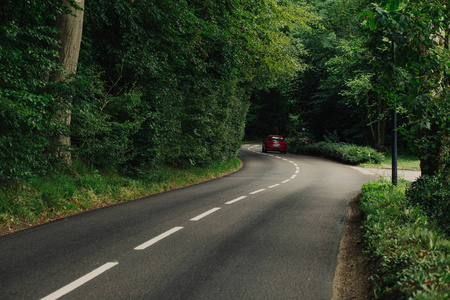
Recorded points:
(276, 139)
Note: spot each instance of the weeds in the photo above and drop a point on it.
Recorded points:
(50, 197)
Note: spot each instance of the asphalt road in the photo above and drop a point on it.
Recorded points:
(270, 231)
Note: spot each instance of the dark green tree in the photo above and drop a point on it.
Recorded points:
(156, 83)
(419, 75)
(27, 57)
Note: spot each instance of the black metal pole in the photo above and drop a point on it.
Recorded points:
(394, 147)
(394, 133)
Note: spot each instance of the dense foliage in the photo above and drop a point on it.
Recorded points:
(330, 95)
(26, 58)
(416, 36)
(166, 83)
(410, 258)
(432, 195)
(346, 153)
(157, 83)
(362, 59)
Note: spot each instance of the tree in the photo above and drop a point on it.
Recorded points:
(195, 64)
(420, 32)
(27, 57)
(156, 82)
(335, 84)
(70, 28)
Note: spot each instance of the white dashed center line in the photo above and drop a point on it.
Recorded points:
(205, 214)
(158, 238)
(236, 200)
(256, 192)
(79, 282)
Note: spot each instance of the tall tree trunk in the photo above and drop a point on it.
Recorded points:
(70, 28)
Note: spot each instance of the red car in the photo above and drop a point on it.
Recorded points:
(274, 143)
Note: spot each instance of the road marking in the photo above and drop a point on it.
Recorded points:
(272, 186)
(236, 200)
(296, 171)
(205, 214)
(158, 238)
(79, 282)
(100, 270)
(293, 176)
(256, 192)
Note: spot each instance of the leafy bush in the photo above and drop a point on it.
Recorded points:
(346, 153)
(432, 195)
(411, 260)
(50, 197)
(26, 125)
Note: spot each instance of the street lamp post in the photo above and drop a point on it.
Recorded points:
(394, 133)
(394, 147)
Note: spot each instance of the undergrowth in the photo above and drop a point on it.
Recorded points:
(345, 153)
(78, 189)
(409, 253)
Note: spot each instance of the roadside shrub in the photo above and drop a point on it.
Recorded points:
(432, 195)
(346, 153)
(410, 258)
(294, 144)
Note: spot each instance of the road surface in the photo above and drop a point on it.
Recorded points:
(270, 231)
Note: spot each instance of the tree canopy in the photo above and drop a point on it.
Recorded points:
(156, 83)
(181, 81)
(361, 58)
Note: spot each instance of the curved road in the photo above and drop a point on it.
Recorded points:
(270, 231)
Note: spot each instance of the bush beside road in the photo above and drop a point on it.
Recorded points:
(408, 252)
(405, 228)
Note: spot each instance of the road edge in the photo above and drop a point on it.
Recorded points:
(351, 280)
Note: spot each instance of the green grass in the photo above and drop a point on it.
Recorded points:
(42, 199)
(406, 162)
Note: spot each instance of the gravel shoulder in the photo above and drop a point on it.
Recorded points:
(352, 272)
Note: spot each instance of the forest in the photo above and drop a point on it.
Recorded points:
(126, 86)
(103, 102)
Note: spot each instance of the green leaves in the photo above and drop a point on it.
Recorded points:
(409, 256)
(346, 153)
(156, 83)
(416, 70)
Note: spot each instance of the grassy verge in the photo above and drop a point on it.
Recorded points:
(405, 162)
(409, 253)
(39, 200)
